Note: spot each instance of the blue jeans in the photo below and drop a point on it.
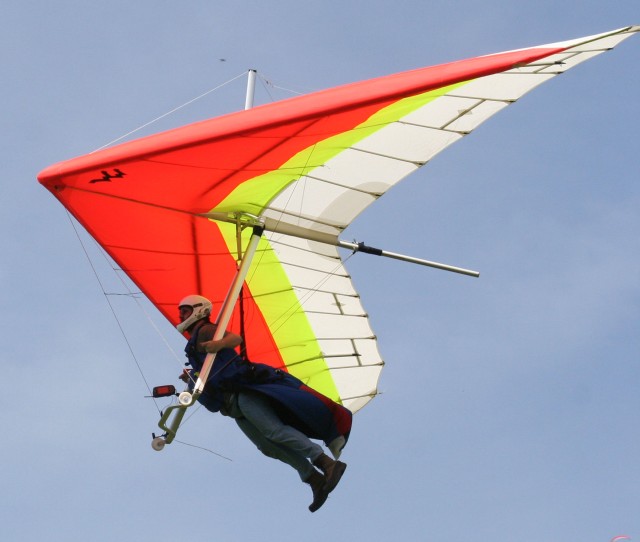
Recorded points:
(259, 421)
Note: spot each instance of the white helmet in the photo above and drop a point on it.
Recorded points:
(201, 309)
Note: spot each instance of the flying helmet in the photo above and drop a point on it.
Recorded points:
(201, 309)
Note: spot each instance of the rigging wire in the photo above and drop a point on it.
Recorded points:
(203, 448)
(135, 296)
(268, 82)
(189, 102)
(265, 85)
(291, 310)
(106, 296)
(291, 192)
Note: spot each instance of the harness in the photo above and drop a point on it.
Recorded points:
(230, 374)
(195, 358)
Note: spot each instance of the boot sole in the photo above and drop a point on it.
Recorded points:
(319, 501)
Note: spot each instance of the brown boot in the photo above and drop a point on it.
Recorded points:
(333, 471)
(317, 482)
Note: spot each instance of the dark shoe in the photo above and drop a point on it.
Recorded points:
(333, 471)
(317, 482)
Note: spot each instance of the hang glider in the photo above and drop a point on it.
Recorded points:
(176, 210)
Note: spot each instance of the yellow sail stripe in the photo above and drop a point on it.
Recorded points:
(281, 308)
(253, 195)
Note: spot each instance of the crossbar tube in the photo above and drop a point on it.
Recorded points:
(361, 247)
(284, 228)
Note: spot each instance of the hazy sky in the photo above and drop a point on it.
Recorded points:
(509, 405)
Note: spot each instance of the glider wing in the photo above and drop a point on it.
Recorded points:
(169, 208)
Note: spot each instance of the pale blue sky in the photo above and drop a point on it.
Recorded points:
(509, 406)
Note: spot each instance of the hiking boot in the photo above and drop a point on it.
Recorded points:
(333, 471)
(317, 482)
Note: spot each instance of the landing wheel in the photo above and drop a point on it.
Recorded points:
(185, 398)
(158, 443)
